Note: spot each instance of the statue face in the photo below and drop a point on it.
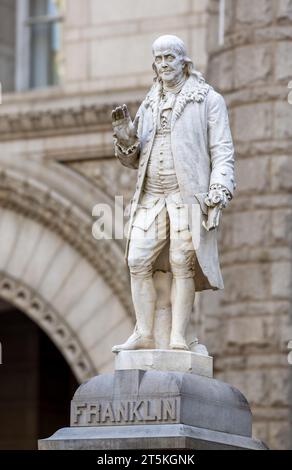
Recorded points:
(169, 65)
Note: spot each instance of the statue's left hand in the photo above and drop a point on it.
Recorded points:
(217, 197)
(216, 200)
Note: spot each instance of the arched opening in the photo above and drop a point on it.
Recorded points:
(36, 382)
(52, 268)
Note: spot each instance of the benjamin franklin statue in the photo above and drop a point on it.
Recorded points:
(180, 143)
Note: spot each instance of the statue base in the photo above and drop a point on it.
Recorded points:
(170, 437)
(165, 360)
(151, 409)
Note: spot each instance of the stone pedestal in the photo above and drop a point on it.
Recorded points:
(165, 360)
(152, 409)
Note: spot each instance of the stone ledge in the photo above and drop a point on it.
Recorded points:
(58, 121)
(165, 360)
(173, 436)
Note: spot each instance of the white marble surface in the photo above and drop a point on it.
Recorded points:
(165, 360)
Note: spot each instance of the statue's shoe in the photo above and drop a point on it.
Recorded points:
(135, 341)
(178, 343)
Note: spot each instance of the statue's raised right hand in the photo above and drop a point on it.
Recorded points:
(124, 129)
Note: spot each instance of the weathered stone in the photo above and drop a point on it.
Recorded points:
(115, 11)
(282, 226)
(284, 10)
(249, 12)
(197, 47)
(284, 61)
(169, 436)
(120, 410)
(230, 8)
(253, 64)
(168, 397)
(7, 71)
(283, 115)
(261, 254)
(165, 360)
(243, 332)
(121, 63)
(279, 435)
(270, 413)
(285, 336)
(247, 282)
(78, 13)
(253, 175)
(264, 176)
(281, 173)
(265, 307)
(273, 33)
(251, 228)
(77, 60)
(212, 37)
(253, 122)
(281, 279)
(279, 386)
(260, 431)
(199, 6)
(222, 70)
(252, 382)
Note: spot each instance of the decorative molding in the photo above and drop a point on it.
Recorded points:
(62, 121)
(76, 154)
(40, 203)
(22, 53)
(26, 299)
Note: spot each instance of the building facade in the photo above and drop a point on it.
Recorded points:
(63, 66)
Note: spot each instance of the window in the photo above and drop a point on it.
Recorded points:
(7, 45)
(45, 43)
(39, 43)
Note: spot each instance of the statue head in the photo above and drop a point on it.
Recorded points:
(171, 62)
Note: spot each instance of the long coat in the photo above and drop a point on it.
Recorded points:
(203, 155)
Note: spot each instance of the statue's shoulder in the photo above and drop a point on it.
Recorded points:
(215, 99)
(214, 94)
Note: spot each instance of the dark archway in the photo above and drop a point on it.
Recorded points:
(36, 383)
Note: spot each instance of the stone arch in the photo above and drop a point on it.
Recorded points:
(51, 267)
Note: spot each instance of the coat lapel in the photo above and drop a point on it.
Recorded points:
(194, 90)
(152, 101)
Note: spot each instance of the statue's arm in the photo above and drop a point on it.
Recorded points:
(220, 146)
(126, 140)
(128, 155)
(222, 183)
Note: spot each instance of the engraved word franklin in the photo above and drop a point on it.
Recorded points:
(163, 410)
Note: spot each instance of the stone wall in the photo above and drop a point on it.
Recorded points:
(108, 44)
(107, 59)
(249, 325)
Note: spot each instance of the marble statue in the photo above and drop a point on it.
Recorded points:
(180, 143)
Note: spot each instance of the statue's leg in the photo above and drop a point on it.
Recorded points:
(144, 299)
(162, 318)
(182, 261)
(182, 296)
(143, 251)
